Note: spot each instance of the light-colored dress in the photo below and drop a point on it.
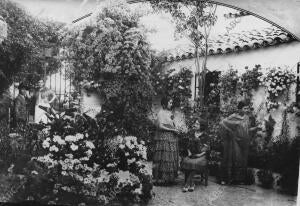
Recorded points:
(166, 153)
(44, 97)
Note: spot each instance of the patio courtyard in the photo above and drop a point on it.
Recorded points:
(218, 195)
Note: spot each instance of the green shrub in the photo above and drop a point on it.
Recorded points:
(290, 172)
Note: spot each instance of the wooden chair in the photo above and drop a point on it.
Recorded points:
(203, 174)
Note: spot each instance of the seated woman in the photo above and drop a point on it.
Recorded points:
(195, 156)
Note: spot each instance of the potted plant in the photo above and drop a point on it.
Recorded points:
(265, 178)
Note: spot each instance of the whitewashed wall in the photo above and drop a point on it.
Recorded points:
(274, 56)
(285, 55)
(293, 121)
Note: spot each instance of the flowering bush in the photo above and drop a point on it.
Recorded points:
(276, 81)
(68, 160)
(112, 57)
(131, 151)
(177, 86)
(72, 170)
(68, 153)
(18, 145)
(133, 175)
(21, 51)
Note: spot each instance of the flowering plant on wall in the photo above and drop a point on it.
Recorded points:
(212, 92)
(277, 81)
(250, 79)
(228, 84)
(89, 85)
(177, 86)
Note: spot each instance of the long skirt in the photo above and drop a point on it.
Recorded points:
(234, 163)
(166, 157)
(194, 164)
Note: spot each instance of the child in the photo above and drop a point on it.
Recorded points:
(195, 153)
(20, 106)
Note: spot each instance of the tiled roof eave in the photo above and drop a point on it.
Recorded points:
(252, 40)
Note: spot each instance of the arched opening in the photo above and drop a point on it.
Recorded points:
(235, 5)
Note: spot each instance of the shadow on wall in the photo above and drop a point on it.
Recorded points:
(258, 100)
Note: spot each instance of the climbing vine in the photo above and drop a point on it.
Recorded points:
(250, 79)
(276, 82)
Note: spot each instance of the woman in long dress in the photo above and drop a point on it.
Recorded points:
(44, 98)
(235, 131)
(166, 154)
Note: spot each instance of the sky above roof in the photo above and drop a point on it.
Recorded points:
(162, 39)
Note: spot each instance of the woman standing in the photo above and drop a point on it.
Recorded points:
(166, 154)
(235, 131)
(44, 97)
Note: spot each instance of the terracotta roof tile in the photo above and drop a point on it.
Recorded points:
(236, 42)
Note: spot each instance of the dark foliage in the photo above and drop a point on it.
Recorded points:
(20, 53)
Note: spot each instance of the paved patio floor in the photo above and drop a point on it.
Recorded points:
(217, 195)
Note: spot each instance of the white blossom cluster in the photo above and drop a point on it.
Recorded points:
(132, 148)
(276, 81)
(72, 153)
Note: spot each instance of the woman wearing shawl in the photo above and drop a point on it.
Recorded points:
(166, 153)
(235, 133)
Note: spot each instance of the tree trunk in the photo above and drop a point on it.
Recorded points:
(203, 76)
(198, 69)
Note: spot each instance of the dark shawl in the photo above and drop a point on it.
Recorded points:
(235, 133)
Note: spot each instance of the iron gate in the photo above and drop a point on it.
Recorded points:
(60, 81)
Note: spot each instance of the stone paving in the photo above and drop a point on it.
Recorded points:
(218, 195)
(212, 195)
